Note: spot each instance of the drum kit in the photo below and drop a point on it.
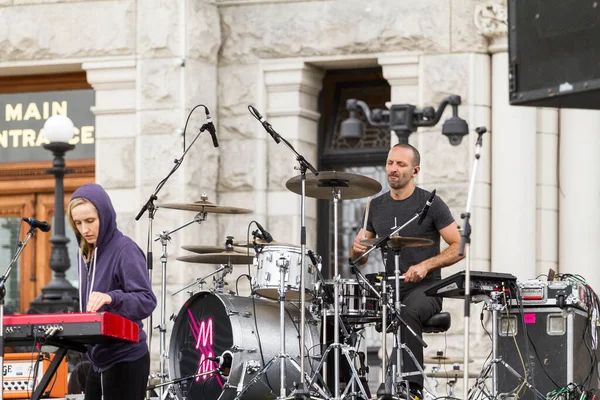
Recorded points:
(221, 345)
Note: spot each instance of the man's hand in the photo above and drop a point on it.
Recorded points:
(415, 273)
(97, 300)
(358, 248)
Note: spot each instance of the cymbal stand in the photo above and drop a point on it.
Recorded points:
(301, 391)
(224, 269)
(165, 238)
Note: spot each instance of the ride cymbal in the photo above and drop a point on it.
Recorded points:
(204, 206)
(226, 257)
(262, 242)
(351, 186)
(213, 249)
(451, 374)
(400, 242)
(444, 360)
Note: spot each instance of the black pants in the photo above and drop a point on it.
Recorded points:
(416, 309)
(122, 381)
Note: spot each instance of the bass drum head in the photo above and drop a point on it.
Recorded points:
(202, 329)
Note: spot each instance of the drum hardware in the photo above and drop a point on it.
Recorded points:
(225, 257)
(379, 243)
(212, 249)
(332, 185)
(165, 238)
(170, 394)
(219, 283)
(397, 243)
(443, 360)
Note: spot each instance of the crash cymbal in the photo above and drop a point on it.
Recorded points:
(451, 374)
(205, 206)
(213, 249)
(225, 257)
(400, 242)
(261, 242)
(444, 360)
(351, 186)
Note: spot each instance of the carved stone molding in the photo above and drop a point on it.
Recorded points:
(491, 20)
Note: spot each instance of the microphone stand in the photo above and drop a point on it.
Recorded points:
(3, 280)
(151, 208)
(464, 240)
(302, 391)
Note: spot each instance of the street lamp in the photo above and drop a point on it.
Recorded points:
(58, 295)
(404, 119)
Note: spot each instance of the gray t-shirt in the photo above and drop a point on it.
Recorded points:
(386, 214)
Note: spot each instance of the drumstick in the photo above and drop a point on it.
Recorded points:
(366, 217)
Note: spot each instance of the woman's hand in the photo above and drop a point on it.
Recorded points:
(97, 300)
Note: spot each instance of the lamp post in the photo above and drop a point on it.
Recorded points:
(58, 295)
(404, 119)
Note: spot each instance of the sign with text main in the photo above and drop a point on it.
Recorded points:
(22, 118)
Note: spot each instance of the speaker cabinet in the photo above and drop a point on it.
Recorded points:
(554, 53)
(560, 350)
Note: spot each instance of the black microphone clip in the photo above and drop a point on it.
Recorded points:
(41, 225)
(210, 127)
(265, 124)
(265, 235)
(426, 207)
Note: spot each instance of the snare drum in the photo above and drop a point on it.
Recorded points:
(211, 324)
(267, 280)
(357, 304)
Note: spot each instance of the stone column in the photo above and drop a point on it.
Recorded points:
(513, 172)
(291, 96)
(547, 191)
(579, 194)
(114, 81)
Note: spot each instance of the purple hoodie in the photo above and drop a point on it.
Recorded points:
(118, 268)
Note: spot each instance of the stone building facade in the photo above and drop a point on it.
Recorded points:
(151, 61)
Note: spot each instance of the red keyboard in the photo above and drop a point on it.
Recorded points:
(67, 331)
(69, 328)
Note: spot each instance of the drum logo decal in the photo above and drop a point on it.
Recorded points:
(203, 335)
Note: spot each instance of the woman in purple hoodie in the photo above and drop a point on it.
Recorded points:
(112, 277)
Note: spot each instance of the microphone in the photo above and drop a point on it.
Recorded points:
(426, 208)
(265, 124)
(211, 128)
(266, 235)
(313, 258)
(225, 360)
(41, 225)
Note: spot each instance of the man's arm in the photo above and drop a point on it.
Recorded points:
(449, 256)
(358, 249)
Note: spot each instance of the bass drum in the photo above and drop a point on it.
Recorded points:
(210, 324)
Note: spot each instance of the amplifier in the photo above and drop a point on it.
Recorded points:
(18, 376)
(552, 293)
(560, 347)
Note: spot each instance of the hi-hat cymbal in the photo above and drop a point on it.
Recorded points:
(225, 257)
(351, 186)
(213, 249)
(262, 242)
(204, 206)
(444, 360)
(451, 374)
(400, 242)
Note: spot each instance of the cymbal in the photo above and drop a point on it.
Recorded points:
(262, 242)
(444, 360)
(225, 257)
(400, 242)
(451, 374)
(205, 207)
(213, 249)
(351, 186)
